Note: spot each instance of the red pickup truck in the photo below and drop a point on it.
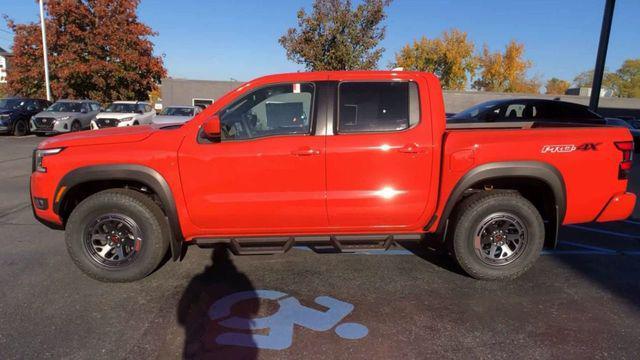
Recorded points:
(352, 160)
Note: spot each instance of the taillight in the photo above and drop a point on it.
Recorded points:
(627, 158)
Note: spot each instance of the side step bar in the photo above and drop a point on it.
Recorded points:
(337, 243)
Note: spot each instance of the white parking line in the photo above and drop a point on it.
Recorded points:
(607, 232)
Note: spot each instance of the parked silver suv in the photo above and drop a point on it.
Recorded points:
(65, 116)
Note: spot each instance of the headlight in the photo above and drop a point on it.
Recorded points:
(4, 117)
(126, 119)
(39, 155)
(63, 118)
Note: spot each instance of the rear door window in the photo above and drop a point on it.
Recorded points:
(377, 106)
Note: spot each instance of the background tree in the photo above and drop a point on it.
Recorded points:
(98, 49)
(627, 79)
(557, 86)
(450, 57)
(337, 37)
(3, 90)
(585, 79)
(505, 72)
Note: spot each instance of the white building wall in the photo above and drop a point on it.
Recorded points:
(3, 69)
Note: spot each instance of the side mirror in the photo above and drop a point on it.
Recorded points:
(211, 128)
(84, 111)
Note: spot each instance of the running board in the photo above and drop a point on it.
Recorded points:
(337, 243)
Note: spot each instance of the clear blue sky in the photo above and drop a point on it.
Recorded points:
(219, 40)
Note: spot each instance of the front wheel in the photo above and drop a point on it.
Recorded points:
(20, 128)
(75, 126)
(498, 235)
(117, 235)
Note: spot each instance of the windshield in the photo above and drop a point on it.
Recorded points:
(177, 111)
(11, 104)
(121, 108)
(65, 107)
(473, 111)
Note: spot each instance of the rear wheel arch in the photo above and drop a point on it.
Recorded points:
(539, 182)
(83, 182)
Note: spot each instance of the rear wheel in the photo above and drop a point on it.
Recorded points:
(20, 128)
(498, 235)
(117, 235)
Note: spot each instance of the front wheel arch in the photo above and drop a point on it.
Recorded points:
(83, 182)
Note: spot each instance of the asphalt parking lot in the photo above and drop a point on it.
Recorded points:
(580, 300)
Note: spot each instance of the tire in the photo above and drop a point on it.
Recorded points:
(498, 235)
(75, 126)
(138, 217)
(20, 128)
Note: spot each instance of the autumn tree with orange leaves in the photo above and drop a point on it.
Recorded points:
(506, 71)
(98, 49)
(556, 86)
(450, 57)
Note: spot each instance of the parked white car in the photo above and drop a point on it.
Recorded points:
(177, 114)
(124, 113)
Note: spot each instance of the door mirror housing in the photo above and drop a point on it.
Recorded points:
(211, 129)
(83, 110)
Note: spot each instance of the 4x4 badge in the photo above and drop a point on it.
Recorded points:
(569, 148)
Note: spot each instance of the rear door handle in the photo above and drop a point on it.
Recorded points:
(305, 151)
(411, 149)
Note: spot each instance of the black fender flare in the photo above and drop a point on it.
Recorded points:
(526, 169)
(139, 173)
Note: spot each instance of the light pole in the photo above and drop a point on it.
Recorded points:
(44, 51)
(601, 58)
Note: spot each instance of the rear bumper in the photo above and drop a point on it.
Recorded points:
(619, 207)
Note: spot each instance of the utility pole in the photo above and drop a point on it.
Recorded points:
(44, 51)
(598, 72)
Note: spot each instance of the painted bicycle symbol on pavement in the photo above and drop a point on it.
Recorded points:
(280, 325)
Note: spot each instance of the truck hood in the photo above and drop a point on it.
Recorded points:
(116, 135)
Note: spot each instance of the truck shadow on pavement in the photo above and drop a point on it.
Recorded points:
(218, 280)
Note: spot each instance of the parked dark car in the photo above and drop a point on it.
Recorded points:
(16, 112)
(634, 131)
(521, 110)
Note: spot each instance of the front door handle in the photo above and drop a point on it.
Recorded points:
(411, 149)
(305, 151)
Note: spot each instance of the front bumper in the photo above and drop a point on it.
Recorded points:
(619, 207)
(58, 127)
(39, 188)
(4, 129)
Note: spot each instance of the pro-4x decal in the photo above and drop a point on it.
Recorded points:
(567, 148)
